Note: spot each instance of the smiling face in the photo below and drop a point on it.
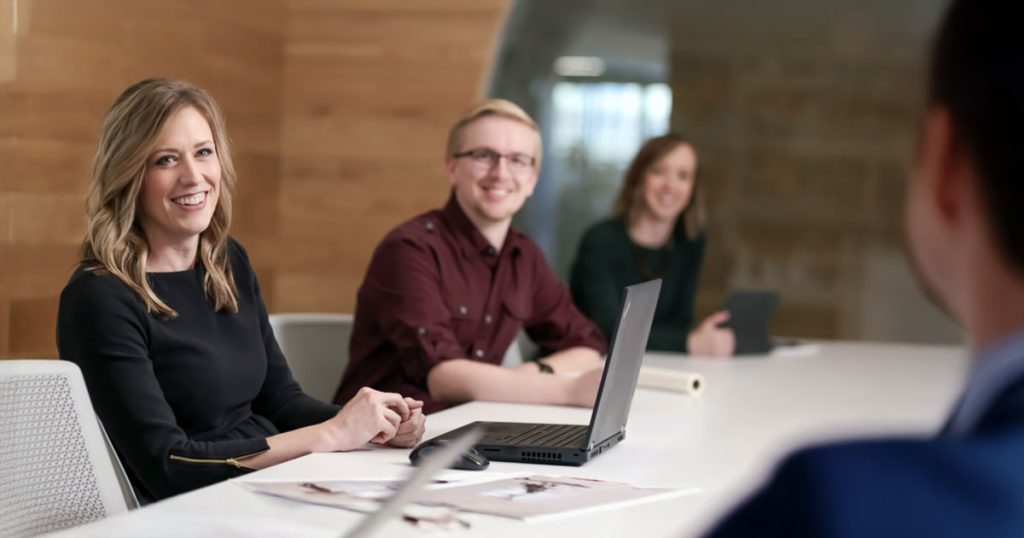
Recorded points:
(182, 182)
(492, 194)
(668, 183)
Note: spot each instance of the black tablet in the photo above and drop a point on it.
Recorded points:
(750, 318)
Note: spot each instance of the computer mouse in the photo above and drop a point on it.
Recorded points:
(471, 460)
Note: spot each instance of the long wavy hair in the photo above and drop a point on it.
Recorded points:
(631, 197)
(115, 243)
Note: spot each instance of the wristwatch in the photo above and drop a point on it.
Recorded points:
(544, 367)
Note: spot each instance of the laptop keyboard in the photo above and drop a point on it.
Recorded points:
(549, 435)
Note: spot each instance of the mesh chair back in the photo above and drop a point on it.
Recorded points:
(55, 468)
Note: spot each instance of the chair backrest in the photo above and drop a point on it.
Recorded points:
(520, 350)
(316, 347)
(56, 468)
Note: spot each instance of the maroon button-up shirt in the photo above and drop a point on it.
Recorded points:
(437, 290)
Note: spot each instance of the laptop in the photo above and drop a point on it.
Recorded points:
(750, 318)
(413, 487)
(574, 444)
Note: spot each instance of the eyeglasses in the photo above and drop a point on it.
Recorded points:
(485, 160)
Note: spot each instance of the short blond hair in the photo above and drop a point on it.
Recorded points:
(501, 108)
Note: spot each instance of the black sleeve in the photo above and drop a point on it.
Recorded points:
(671, 332)
(668, 335)
(102, 327)
(280, 399)
(594, 281)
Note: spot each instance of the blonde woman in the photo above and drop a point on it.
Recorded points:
(165, 319)
(656, 231)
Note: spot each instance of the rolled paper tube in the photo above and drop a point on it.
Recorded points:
(671, 380)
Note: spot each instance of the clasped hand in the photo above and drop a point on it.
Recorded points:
(378, 417)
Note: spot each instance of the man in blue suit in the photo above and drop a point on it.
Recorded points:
(965, 227)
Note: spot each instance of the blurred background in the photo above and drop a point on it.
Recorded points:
(803, 112)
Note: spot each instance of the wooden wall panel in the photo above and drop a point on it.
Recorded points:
(72, 58)
(371, 89)
(45, 218)
(5, 316)
(32, 329)
(337, 110)
(5, 229)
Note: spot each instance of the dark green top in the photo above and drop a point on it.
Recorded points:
(608, 261)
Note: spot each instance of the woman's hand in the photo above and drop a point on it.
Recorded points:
(709, 339)
(410, 431)
(370, 416)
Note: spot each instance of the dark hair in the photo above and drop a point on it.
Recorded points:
(631, 196)
(977, 76)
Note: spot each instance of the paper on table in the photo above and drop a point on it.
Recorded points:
(525, 497)
(360, 495)
(670, 380)
(539, 496)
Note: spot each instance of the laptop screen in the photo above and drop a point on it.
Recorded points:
(622, 367)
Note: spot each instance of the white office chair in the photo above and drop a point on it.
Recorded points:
(316, 347)
(57, 469)
(519, 351)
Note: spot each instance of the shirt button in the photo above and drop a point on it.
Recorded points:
(463, 310)
(491, 251)
(422, 330)
(430, 226)
(488, 319)
(479, 353)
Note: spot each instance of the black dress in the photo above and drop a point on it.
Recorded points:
(184, 400)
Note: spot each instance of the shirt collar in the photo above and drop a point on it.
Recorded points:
(472, 239)
(993, 370)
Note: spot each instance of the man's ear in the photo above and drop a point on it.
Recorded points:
(532, 183)
(944, 163)
(449, 169)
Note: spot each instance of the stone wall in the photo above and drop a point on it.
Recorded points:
(806, 128)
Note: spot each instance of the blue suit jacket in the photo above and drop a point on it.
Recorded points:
(970, 485)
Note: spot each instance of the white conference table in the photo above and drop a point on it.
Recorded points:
(723, 441)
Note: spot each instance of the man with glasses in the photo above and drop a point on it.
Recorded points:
(447, 292)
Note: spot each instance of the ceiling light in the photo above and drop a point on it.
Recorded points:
(579, 66)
